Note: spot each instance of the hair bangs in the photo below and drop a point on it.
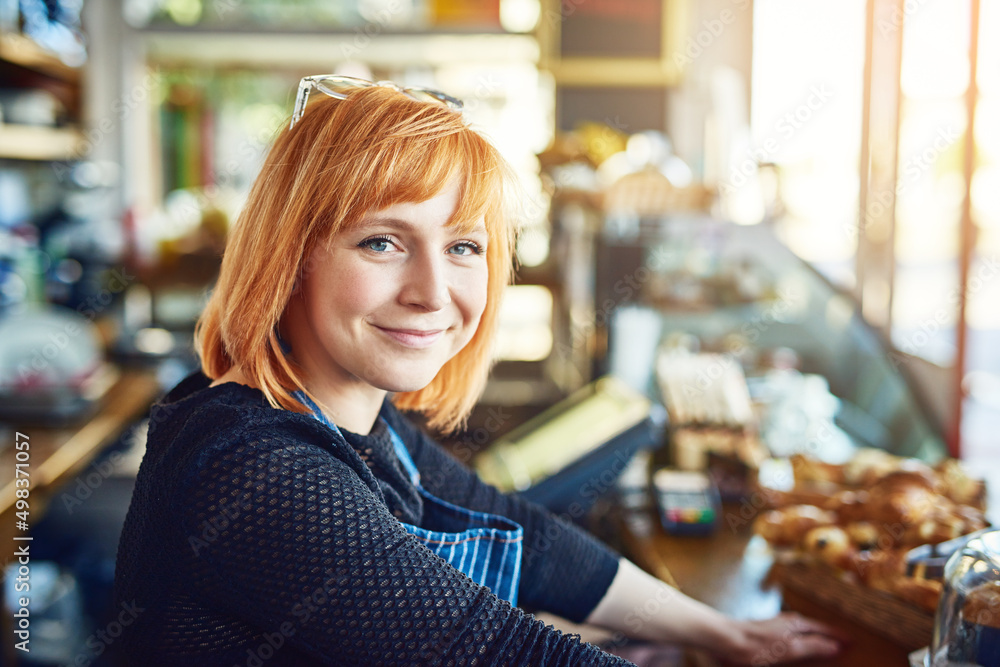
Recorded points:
(482, 186)
(419, 171)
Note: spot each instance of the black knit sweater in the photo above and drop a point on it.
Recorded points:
(260, 536)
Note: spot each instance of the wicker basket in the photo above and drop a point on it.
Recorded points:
(908, 626)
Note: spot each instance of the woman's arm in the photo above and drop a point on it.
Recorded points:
(559, 574)
(643, 607)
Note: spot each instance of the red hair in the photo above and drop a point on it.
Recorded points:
(343, 159)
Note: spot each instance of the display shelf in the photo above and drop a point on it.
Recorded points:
(23, 51)
(229, 49)
(27, 142)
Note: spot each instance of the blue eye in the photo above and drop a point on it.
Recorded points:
(376, 243)
(466, 248)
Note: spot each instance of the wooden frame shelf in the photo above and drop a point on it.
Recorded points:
(23, 51)
(609, 70)
(28, 142)
(59, 454)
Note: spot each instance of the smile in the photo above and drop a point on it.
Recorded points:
(415, 338)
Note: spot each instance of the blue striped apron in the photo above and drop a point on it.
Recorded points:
(485, 547)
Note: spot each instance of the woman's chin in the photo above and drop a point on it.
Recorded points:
(403, 385)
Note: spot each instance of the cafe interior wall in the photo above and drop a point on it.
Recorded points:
(134, 69)
(119, 90)
(707, 105)
(123, 90)
(119, 81)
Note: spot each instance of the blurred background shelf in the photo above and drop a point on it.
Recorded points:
(174, 48)
(26, 142)
(60, 453)
(22, 51)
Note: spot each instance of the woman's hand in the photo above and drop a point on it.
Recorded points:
(785, 638)
(643, 607)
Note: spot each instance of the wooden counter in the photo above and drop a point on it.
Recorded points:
(729, 572)
(57, 455)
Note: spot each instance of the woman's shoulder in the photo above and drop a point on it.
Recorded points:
(198, 419)
(193, 404)
(198, 432)
(197, 390)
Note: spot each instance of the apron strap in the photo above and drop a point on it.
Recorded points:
(403, 454)
(488, 549)
(316, 412)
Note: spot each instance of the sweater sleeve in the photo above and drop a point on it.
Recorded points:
(302, 546)
(564, 569)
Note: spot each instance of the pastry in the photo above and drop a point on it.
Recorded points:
(850, 506)
(864, 535)
(831, 545)
(924, 593)
(880, 569)
(807, 469)
(787, 527)
(959, 486)
(982, 605)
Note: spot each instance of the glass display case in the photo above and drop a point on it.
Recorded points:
(967, 626)
(829, 381)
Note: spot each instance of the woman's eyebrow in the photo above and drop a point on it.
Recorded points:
(405, 225)
(386, 221)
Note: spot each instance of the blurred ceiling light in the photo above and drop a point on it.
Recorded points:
(387, 12)
(533, 245)
(525, 331)
(184, 12)
(519, 15)
(154, 340)
(138, 13)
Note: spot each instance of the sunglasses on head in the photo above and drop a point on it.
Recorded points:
(340, 87)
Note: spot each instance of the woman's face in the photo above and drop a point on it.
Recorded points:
(391, 299)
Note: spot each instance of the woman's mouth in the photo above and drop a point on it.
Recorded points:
(415, 338)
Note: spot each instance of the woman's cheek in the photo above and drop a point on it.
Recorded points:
(481, 292)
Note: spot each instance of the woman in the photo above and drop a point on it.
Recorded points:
(286, 511)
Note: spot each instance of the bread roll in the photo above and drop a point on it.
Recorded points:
(787, 526)
(830, 545)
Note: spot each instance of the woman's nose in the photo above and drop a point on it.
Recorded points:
(427, 282)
